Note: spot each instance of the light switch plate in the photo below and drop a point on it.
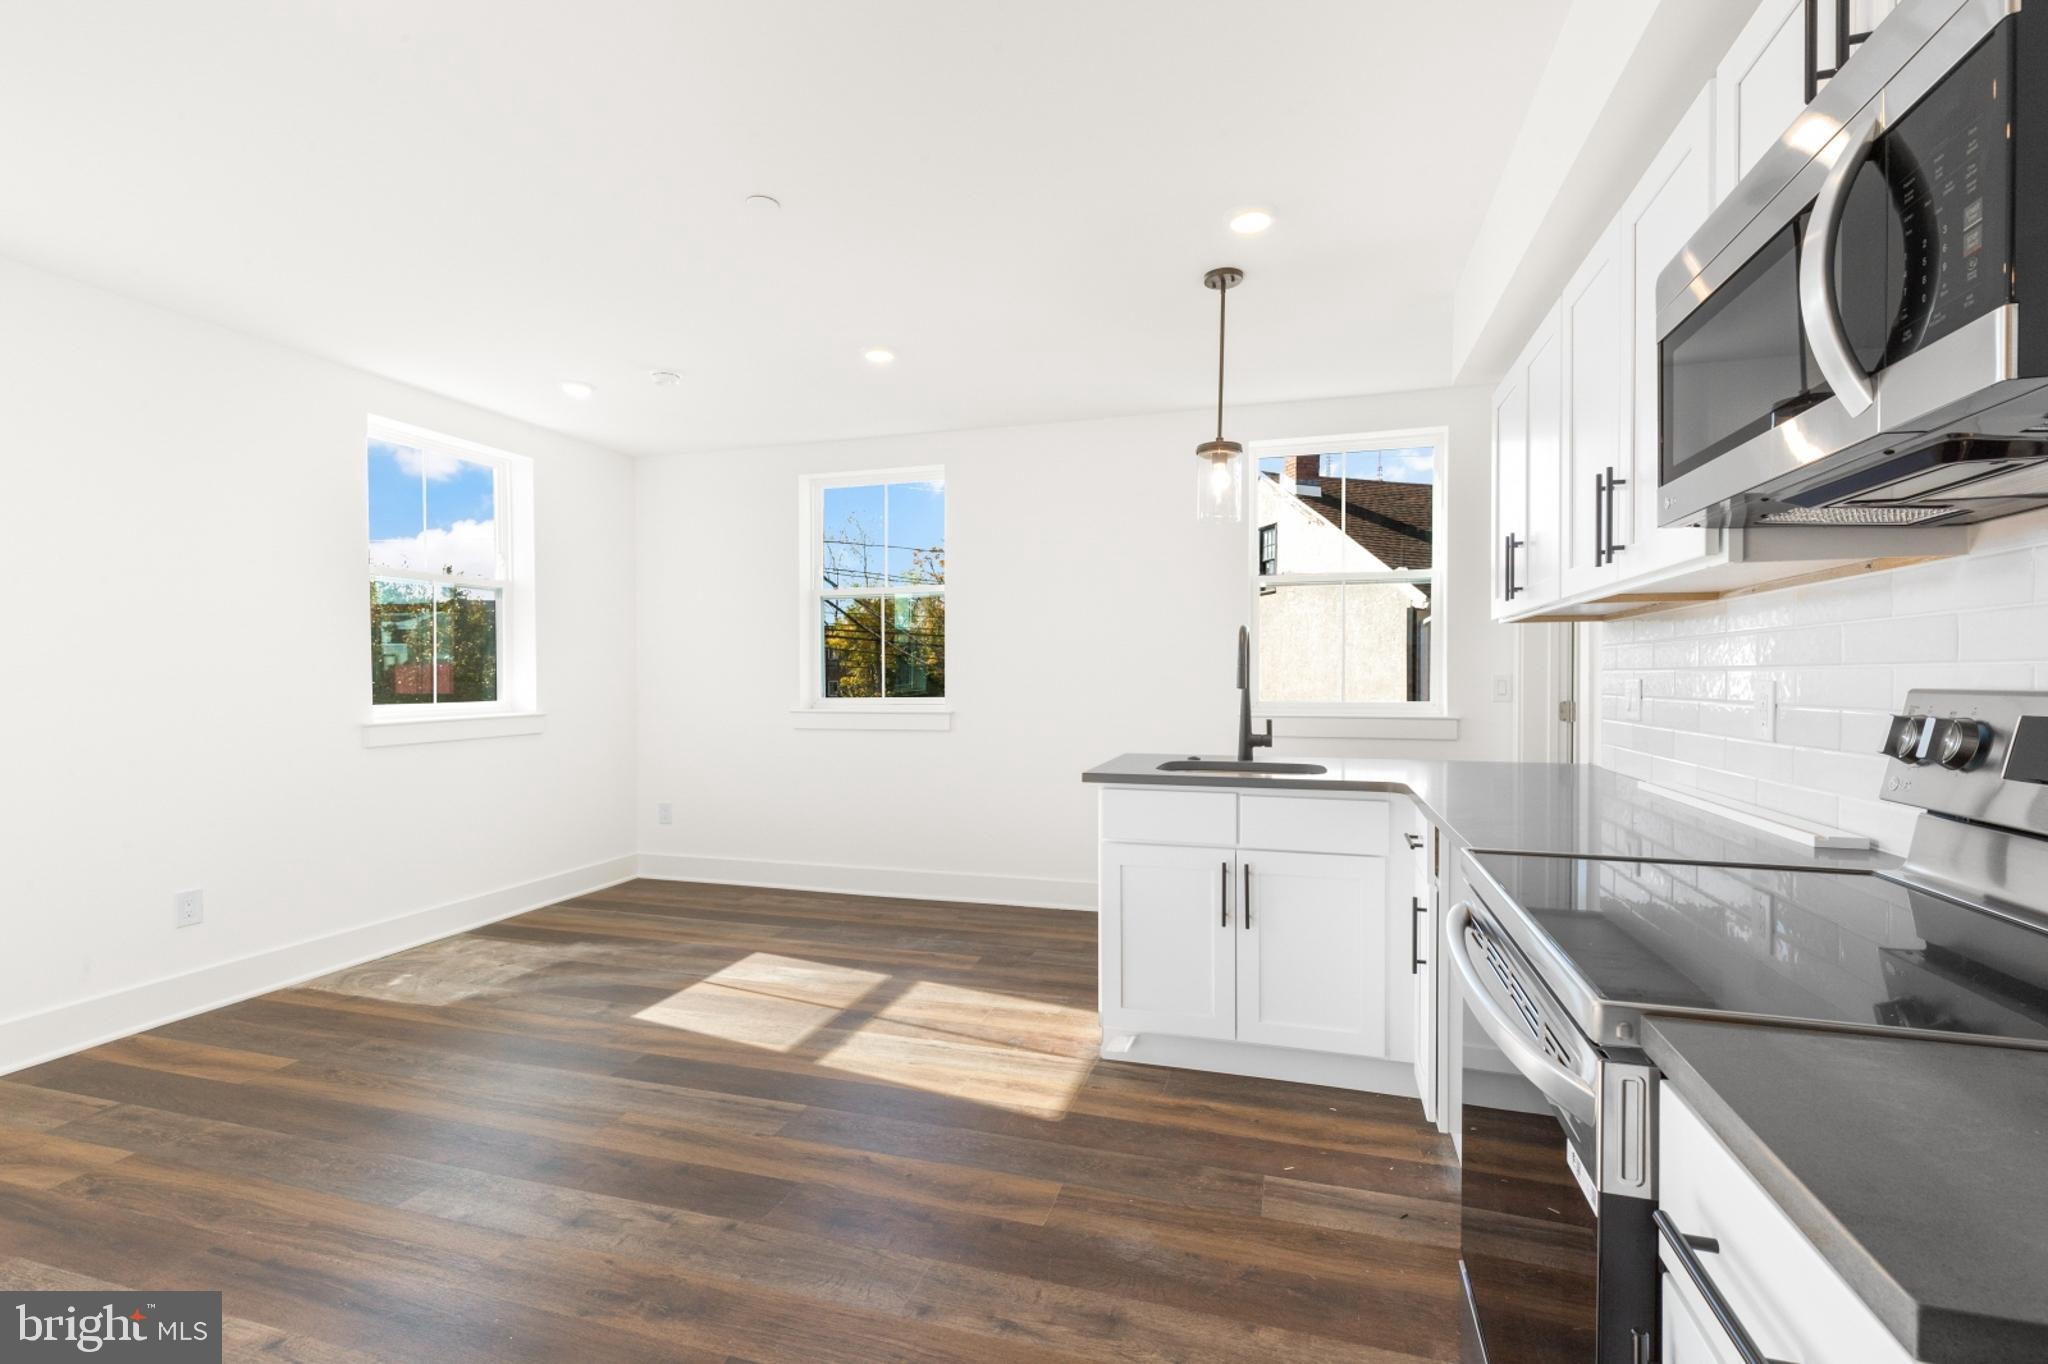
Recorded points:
(1503, 687)
(1632, 698)
(188, 907)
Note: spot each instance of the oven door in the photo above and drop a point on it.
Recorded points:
(1869, 305)
(1529, 1243)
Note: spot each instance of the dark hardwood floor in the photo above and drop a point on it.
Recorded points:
(686, 1122)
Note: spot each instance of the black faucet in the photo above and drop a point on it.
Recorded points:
(1246, 740)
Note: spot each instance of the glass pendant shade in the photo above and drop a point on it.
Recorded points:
(1219, 481)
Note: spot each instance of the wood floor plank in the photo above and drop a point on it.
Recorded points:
(685, 1122)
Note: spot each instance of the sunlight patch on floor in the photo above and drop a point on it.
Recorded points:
(949, 1039)
(764, 1000)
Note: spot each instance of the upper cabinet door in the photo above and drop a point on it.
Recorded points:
(1168, 951)
(1543, 376)
(1667, 207)
(1312, 952)
(1510, 489)
(1597, 515)
(1760, 86)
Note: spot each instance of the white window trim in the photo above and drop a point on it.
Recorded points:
(517, 709)
(813, 710)
(1371, 715)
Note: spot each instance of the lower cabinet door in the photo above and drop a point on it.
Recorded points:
(1169, 918)
(1311, 952)
(1686, 1341)
(1422, 938)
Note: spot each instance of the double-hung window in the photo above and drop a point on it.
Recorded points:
(872, 614)
(1346, 557)
(449, 629)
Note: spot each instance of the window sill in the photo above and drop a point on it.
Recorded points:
(1432, 727)
(920, 717)
(390, 732)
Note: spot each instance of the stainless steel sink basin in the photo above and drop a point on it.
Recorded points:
(1257, 769)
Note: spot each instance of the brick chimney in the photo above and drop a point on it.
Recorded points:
(1304, 475)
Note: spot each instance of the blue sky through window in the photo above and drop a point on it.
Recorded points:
(877, 535)
(432, 512)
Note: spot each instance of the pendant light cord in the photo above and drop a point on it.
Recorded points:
(1222, 330)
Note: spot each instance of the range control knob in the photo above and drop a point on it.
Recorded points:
(1959, 743)
(1903, 740)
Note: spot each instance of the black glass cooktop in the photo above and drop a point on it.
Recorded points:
(1832, 948)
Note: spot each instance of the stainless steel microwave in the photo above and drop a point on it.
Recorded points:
(1858, 335)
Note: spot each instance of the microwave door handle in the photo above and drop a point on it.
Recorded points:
(1819, 312)
(1565, 1087)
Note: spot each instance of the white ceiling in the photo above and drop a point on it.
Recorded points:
(482, 197)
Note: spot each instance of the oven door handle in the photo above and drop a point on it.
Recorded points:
(1558, 1083)
(1820, 313)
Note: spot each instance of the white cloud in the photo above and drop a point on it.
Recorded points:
(435, 464)
(469, 548)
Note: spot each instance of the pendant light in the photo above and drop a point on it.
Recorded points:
(1219, 481)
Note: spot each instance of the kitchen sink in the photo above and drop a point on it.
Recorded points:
(1257, 769)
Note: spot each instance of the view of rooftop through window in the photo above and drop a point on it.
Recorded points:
(1345, 565)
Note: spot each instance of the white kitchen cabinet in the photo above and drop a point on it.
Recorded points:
(1168, 951)
(1510, 487)
(1593, 331)
(1422, 905)
(1311, 952)
(1528, 418)
(1273, 948)
(1669, 203)
(1787, 1297)
(1760, 85)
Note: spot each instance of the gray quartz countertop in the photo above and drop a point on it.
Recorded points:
(1918, 1168)
(1554, 809)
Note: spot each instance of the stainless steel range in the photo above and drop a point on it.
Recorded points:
(1559, 959)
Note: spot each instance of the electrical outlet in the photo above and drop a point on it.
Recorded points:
(1764, 719)
(1503, 687)
(664, 813)
(1632, 699)
(188, 907)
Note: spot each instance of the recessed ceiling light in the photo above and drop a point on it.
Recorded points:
(766, 203)
(577, 389)
(878, 356)
(1251, 222)
(665, 378)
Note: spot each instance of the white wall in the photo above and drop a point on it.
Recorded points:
(1840, 657)
(1090, 614)
(182, 529)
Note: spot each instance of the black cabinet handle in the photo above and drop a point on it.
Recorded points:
(1599, 529)
(1247, 895)
(1508, 567)
(1686, 1250)
(1613, 483)
(1415, 958)
(1224, 900)
(1414, 841)
(1845, 41)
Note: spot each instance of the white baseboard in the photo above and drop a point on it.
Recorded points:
(900, 883)
(33, 1038)
(1369, 1073)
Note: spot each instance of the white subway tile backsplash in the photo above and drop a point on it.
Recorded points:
(1913, 639)
(1838, 657)
(1993, 580)
(1754, 758)
(1843, 774)
(2016, 633)
(1809, 728)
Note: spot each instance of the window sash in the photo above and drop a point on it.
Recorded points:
(811, 557)
(502, 533)
(1437, 439)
